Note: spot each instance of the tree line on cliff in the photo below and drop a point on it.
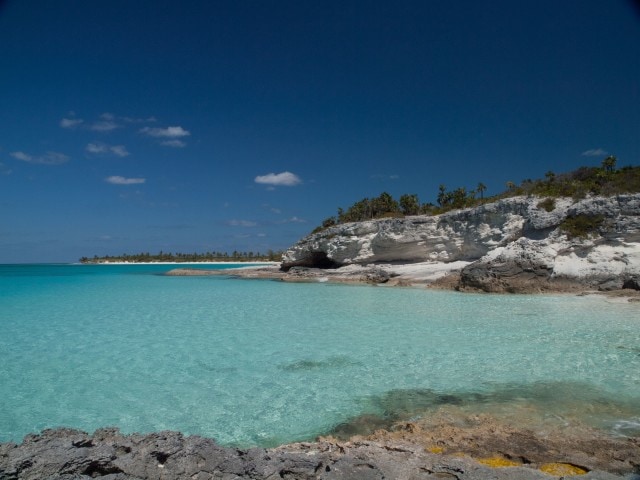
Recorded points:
(603, 180)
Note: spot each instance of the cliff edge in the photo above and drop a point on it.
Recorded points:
(518, 244)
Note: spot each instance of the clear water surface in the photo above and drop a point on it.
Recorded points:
(258, 362)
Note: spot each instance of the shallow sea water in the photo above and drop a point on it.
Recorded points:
(258, 362)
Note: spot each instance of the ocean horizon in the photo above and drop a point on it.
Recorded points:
(262, 363)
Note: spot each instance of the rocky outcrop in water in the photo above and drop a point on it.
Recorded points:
(518, 244)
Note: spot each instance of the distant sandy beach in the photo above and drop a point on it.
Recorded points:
(250, 264)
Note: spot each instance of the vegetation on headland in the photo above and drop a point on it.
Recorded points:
(235, 256)
(603, 180)
(582, 225)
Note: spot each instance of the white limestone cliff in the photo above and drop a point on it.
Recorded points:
(513, 244)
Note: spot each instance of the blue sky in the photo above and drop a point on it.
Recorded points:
(138, 125)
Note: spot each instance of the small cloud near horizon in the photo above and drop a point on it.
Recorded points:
(174, 143)
(102, 148)
(180, 226)
(293, 219)
(71, 122)
(105, 123)
(241, 223)
(139, 120)
(284, 179)
(103, 126)
(118, 180)
(594, 152)
(169, 132)
(385, 177)
(50, 158)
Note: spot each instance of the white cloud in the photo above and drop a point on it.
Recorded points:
(49, 158)
(103, 126)
(173, 143)
(385, 177)
(102, 148)
(119, 150)
(21, 156)
(96, 148)
(105, 123)
(118, 180)
(286, 179)
(139, 120)
(241, 223)
(594, 152)
(292, 220)
(70, 122)
(169, 132)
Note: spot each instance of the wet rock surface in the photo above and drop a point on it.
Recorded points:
(408, 453)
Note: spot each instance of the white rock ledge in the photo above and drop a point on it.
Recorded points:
(510, 245)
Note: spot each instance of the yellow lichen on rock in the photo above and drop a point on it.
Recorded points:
(562, 469)
(498, 462)
(434, 449)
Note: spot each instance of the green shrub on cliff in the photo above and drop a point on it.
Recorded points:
(582, 225)
(548, 204)
(604, 180)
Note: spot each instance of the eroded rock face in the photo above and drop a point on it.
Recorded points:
(461, 235)
(313, 259)
(512, 245)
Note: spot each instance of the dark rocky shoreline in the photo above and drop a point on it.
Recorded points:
(411, 451)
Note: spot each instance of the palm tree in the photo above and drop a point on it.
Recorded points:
(409, 204)
(385, 204)
(442, 195)
(550, 176)
(609, 163)
(510, 185)
(481, 189)
(459, 197)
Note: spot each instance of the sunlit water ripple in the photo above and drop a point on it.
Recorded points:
(255, 362)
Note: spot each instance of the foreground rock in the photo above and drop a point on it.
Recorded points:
(512, 245)
(66, 454)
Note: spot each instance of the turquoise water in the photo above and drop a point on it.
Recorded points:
(257, 362)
